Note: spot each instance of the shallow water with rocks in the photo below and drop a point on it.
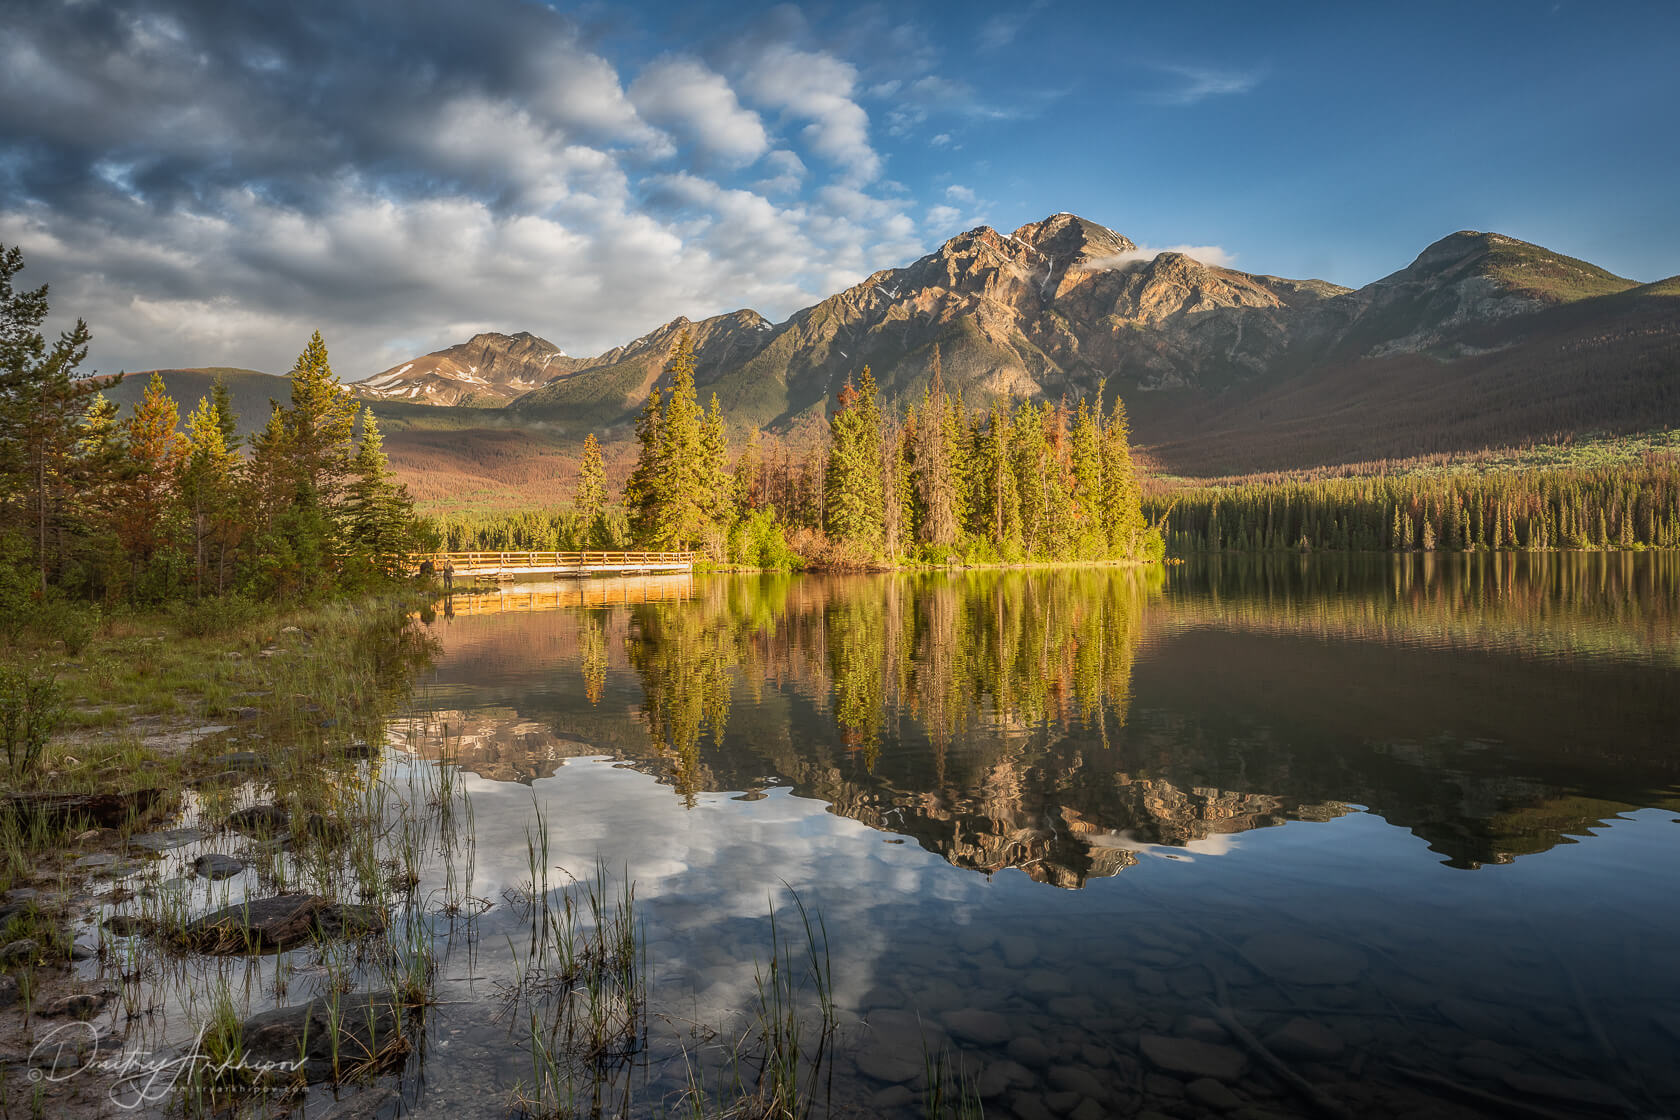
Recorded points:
(1290, 836)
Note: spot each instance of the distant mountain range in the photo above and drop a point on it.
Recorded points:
(1483, 338)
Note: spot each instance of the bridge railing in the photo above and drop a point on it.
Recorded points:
(589, 558)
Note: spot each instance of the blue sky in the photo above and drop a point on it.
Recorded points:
(206, 182)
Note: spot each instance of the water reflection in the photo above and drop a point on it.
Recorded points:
(1068, 723)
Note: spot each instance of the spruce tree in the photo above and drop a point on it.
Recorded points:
(380, 513)
(320, 425)
(590, 501)
(853, 504)
(221, 402)
(935, 473)
(642, 495)
(680, 519)
(1086, 463)
(1030, 455)
(714, 483)
(1122, 496)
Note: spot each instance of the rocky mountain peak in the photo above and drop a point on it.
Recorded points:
(1070, 236)
(490, 368)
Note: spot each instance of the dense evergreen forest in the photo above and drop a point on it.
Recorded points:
(1624, 506)
(939, 483)
(102, 511)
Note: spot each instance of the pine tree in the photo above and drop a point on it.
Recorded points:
(590, 501)
(717, 510)
(853, 503)
(1026, 437)
(642, 495)
(995, 507)
(156, 454)
(1085, 458)
(935, 478)
(1122, 496)
(268, 473)
(380, 514)
(207, 489)
(43, 408)
(898, 509)
(674, 493)
(680, 520)
(221, 402)
(320, 425)
(1056, 481)
(749, 488)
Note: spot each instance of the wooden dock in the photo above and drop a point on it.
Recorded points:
(519, 565)
(569, 594)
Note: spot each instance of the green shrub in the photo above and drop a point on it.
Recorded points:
(221, 614)
(60, 620)
(31, 708)
(757, 541)
(1154, 547)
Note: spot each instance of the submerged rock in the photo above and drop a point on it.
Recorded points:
(1305, 960)
(165, 839)
(272, 924)
(260, 820)
(890, 1067)
(21, 951)
(1212, 1095)
(984, 1028)
(104, 809)
(318, 1041)
(214, 865)
(126, 925)
(81, 1005)
(1305, 1039)
(1189, 1057)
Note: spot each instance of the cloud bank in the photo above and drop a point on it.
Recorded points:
(206, 183)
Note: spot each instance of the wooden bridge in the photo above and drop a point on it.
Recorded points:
(514, 565)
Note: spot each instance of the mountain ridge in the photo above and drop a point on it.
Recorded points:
(1482, 340)
(1063, 305)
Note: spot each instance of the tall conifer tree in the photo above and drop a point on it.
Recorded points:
(591, 498)
(935, 475)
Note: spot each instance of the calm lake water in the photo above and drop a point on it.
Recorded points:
(1103, 841)
(1411, 823)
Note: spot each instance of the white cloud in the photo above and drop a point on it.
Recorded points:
(817, 87)
(943, 217)
(1198, 83)
(503, 176)
(999, 30)
(789, 174)
(962, 210)
(1207, 254)
(685, 95)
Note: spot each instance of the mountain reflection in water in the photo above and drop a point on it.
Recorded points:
(1064, 723)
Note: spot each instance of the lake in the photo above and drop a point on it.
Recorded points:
(1409, 823)
(1257, 836)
